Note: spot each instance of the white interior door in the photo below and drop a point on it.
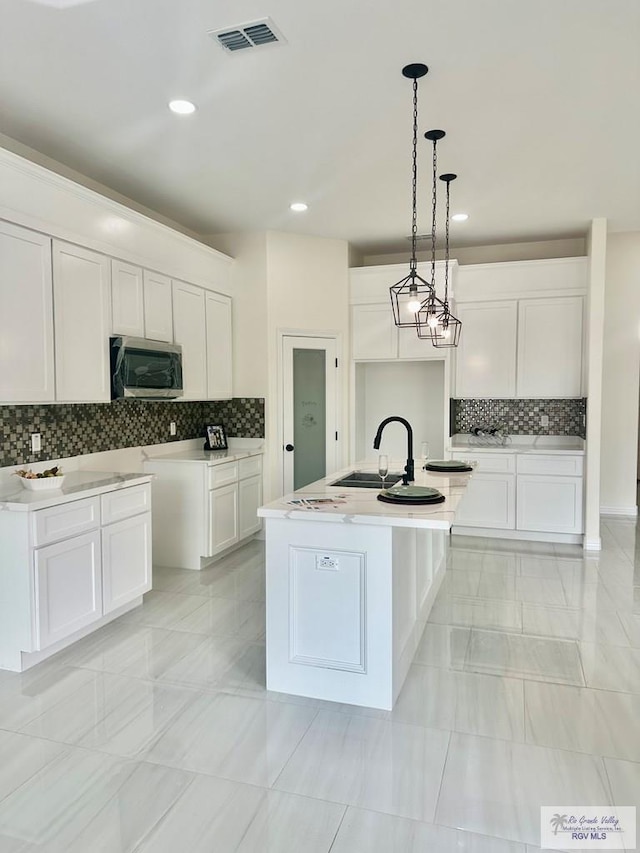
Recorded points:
(310, 429)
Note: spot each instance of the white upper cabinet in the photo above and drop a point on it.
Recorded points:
(158, 313)
(550, 347)
(26, 316)
(82, 322)
(373, 332)
(486, 356)
(189, 325)
(127, 299)
(219, 346)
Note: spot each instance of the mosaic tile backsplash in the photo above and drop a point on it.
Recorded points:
(521, 417)
(74, 429)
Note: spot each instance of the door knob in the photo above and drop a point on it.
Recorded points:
(288, 447)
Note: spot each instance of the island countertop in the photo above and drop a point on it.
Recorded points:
(361, 506)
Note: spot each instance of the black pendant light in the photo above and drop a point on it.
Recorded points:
(435, 320)
(409, 293)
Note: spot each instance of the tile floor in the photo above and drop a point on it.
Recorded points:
(157, 734)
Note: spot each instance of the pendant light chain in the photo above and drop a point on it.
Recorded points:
(446, 250)
(433, 215)
(414, 184)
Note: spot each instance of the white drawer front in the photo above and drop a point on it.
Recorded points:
(488, 463)
(223, 475)
(568, 466)
(249, 467)
(123, 503)
(60, 522)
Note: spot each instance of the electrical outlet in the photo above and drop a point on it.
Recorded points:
(544, 420)
(36, 442)
(326, 562)
(172, 428)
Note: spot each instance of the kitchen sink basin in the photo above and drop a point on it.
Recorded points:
(366, 480)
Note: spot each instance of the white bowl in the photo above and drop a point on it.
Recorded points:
(43, 483)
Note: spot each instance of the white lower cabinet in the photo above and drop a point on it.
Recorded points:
(68, 567)
(68, 587)
(249, 499)
(126, 561)
(532, 492)
(223, 519)
(489, 502)
(200, 507)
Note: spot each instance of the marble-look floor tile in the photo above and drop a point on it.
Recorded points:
(624, 778)
(582, 719)
(536, 590)
(376, 764)
(631, 624)
(121, 716)
(87, 801)
(530, 566)
(25, 696)
(610, 667)
(497, 585)
(524, 657)
(138, 652)
(461, 583)
(477, 613)
(219, 662)
(496, 787)
(372, 832)
(225, 617)
(23, 757)
(443, 645)
(457, 701)
(462, 559)
(573, 624)
(218, 815)
(238, 738)
(162, 609)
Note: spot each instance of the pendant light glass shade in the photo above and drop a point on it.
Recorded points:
(408, 294)
(435, 320)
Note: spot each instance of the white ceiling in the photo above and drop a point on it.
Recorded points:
(539, 101)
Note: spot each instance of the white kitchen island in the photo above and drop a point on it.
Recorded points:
(350, 584)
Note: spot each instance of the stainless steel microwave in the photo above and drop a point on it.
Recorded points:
(151, 370)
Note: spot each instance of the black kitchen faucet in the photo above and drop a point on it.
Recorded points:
(409, 475)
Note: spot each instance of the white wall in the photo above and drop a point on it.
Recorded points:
(414, 390)
(621, 373)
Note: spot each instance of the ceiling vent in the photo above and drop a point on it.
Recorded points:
(244, 36)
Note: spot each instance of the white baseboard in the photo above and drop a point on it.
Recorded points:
(629, 511)
(593, 544)
(524, 535)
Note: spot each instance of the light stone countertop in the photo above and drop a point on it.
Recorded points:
(238, 449)
(77, 485)
(537, 444)
(361, 506)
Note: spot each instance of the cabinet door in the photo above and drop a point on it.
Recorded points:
(219, 347)
(82, 322)
(486, 355)
(127, 299)
(190, 331)
(126, 560)
(158, 312)
(26, 316)
(373, 333)
(489, 501)
(249, 499)
(550, 504)
(413, 347)
(223, 518)
(68, 587)
(550, 347)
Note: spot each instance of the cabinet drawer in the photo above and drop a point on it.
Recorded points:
(223, 475)
(249, 467)
(123, 503)
(60, 522)
(568, 466)
(488, 463)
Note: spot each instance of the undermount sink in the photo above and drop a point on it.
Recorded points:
(366, 480)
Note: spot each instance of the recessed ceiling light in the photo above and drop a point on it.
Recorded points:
(182, 108)
(298, 206)
(460, 217)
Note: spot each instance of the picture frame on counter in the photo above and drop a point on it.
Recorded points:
(216, 437)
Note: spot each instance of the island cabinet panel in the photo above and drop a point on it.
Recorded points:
(327, 609)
